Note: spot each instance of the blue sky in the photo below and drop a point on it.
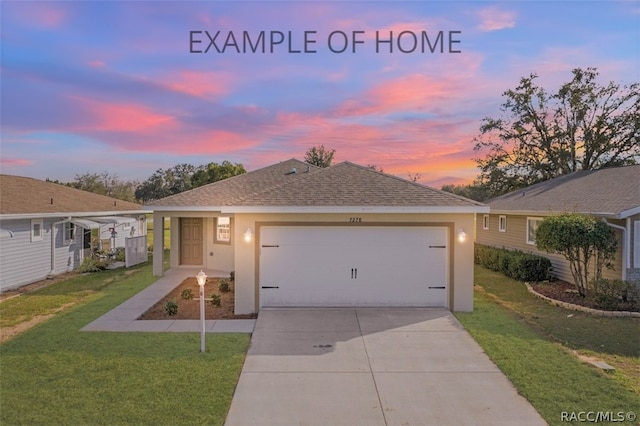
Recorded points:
(91, 86)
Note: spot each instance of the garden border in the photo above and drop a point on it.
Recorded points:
(573, 307)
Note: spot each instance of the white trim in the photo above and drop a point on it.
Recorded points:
(500, 227)
(65, 214)
(40, 223)
(529, 240)
(631, 212)
(323, 209)
(485, 226)
(636, 243)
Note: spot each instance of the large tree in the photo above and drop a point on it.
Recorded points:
(104, 183)
(540, 135)
(183, 177)
(319, 156)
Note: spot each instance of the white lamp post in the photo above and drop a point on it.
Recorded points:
(202, 279)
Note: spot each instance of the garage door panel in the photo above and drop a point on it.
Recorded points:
(353, 266)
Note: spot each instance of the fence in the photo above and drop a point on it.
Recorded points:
(135, 250)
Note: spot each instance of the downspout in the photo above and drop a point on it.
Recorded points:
(53, 242)
(626, 259)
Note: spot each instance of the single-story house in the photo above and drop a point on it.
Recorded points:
(346, 235)
(48, 228)
(611, 195)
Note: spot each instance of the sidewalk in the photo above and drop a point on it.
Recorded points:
(124, 317)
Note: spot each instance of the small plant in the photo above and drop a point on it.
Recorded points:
(224, 286)
(216, 300)
(91, 264)
(232, 276)
(171, 307)
(120, 254)
(187, 294)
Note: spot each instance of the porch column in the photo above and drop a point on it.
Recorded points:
(158, 244)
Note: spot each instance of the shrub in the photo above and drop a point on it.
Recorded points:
(120, 255)
(91, 264)
(187, 294)
(216, 300)
(514, 264)
(171, 307)
(224, 286)
(616, 295)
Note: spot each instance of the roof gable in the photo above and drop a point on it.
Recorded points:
(24, 195)
(344, 184)
(612, 191)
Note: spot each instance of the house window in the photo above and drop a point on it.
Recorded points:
(69, 232)
(485, 222)
(532, 227)
(502, 223)
(223, 230)
(36, 229)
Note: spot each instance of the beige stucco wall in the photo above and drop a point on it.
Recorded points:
(246, 254)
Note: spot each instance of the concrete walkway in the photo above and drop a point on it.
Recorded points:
(124, 317)
(371, 367)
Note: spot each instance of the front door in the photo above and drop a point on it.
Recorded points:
(191, 241)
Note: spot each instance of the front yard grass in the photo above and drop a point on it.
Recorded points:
(531, 342)
(56, 374)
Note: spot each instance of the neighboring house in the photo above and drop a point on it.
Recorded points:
(346, 235)
(611, 195)
(48, 228)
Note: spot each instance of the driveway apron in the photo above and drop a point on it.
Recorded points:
(371, 367)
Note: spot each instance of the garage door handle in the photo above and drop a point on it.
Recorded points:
(354, 273)
(269, 246)
(270, 286)
(443, 287)
(437, 246)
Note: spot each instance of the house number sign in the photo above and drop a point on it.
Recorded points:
(355, 219)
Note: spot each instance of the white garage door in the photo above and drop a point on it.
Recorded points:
(353, 266)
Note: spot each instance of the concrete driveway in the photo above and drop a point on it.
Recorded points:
(371, 367)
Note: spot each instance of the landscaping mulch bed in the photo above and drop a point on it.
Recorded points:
(190, 309)
(566, 292)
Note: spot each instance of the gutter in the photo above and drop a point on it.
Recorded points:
(626, 241)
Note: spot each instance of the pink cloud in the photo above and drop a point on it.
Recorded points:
(198, 83)
(12, 162)
(493, 19)
(46, 15)
(96, 63)
(122, 117)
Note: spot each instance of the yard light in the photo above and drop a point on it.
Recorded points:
(248, 234)
(201, 277)
(462, 236)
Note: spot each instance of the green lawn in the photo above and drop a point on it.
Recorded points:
(167, 232)
(530, 340)
(55, 374)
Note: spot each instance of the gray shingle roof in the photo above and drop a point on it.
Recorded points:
(345, 184)
(24, 195)
(609, 192)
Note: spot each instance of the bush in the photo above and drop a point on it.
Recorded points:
(91, 264)
(120, 255)
(224, 286)
(187, 294)
(614, 295)
(216, 300)
(514, 264)
(171, 307)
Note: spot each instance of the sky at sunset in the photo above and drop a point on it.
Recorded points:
(129, 87)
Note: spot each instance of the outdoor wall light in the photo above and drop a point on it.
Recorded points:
(248, 235)
(462, 236)
(201, 277)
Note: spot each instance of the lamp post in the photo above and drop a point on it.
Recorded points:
(202, 279)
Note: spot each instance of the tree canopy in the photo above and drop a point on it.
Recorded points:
(541, 134)
(183, 177)
(319, 156)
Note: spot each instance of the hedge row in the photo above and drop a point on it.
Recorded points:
(514, 264)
